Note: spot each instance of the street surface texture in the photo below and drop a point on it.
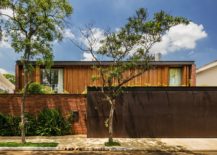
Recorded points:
(82, 143)
(102, 153)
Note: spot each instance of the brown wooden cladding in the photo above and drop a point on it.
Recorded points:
(77, 78)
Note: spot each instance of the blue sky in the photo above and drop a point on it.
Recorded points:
(198, 44)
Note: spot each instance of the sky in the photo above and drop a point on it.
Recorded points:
(196, 41)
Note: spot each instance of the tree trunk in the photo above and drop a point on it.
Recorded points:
(111, 116)
(22, 123)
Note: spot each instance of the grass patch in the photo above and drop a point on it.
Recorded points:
(28, 144)
(113, 143)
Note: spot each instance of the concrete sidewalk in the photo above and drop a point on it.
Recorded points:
(81, 143)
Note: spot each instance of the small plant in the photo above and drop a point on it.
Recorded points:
(31, 124)
(112, 143)
(3, 91)
(49, 122)
(47, 90)
(9, 125)
(52, 123)
(37, 88)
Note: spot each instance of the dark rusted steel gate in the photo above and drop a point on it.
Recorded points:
(156, 112)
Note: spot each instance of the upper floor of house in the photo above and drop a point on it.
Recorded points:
(75, 76)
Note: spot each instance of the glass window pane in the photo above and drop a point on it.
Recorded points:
(175, 76)
(53, 78)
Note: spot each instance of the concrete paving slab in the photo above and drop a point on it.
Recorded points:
(82, 143)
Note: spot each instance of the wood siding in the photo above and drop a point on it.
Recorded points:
(78, 78)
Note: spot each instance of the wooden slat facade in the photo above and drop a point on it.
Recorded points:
(78, 77)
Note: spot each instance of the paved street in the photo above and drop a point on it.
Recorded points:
(101, 153)
(78, 144)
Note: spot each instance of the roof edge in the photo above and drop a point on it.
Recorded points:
(87, 63)
(207, 66)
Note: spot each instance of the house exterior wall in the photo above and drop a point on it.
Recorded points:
(207, 77)
(78, 77)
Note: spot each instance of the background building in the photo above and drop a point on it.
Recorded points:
(207, 75)
(6, 85)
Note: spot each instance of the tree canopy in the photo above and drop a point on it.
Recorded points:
(34, 25)
(127, 49)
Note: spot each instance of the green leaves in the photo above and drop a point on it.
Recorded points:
(35, 24)
(51, 122)
(4, 4)
(10, 77)
(132, 44)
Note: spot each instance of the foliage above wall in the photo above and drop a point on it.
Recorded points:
(10, 77)
(37, 88)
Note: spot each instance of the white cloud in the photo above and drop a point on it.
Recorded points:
(8, 12)
(3, 42)
(180, 37)
(95, 38)
(87, 57)
(3, 71)
(67, 33)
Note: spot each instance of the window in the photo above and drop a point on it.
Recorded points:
(53, 78)
(175, 77)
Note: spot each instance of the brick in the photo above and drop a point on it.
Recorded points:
(10, 104)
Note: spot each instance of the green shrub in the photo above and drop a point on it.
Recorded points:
(37, 88)
(113, 143)
(31, 125)
(52, 123)
(9, 125)
(49, 122)
(3, 91)
(47, 90)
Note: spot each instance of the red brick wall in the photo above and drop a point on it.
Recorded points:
(66, 103)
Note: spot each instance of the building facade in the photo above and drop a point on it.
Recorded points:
(207, 75)
(6, 85)
(75, 76)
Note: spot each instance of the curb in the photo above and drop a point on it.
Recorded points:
(88, 149)
(101, 149)
(68, 149)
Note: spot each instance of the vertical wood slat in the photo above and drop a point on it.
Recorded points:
(187, 76)
(165, 75)
(193, 75)
(77, 78)
(37, 74)
(17, 79)
(184, 71)
(159, 77)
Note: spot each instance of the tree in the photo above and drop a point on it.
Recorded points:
(127, 49)
(10, 77)
(33, 26)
